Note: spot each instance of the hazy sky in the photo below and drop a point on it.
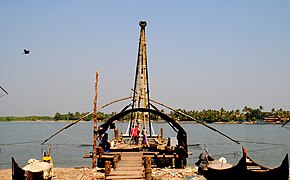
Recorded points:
(204, 54)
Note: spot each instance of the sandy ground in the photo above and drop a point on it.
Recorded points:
(172, 174)
(89, 174)
(63, 174)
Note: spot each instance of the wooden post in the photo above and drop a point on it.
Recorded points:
(148, 169)
(107, 168)
(116, 133)
(173, 160)
(116, 158)
(161, 132)
(94, 163)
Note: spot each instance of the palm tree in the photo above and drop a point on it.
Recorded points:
(57, 116)
(273, 110)
(245, 110)
(222, 113)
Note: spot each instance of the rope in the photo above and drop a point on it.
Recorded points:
(65, 128)
(22, 109)
(288, 128)
(73, 123)
(73, 137)
(186, 115)
(268, 143)
(17, 143)
(254, 150)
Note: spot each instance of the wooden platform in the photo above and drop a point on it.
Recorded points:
(129, 167)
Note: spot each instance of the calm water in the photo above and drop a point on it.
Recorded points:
(22, 141)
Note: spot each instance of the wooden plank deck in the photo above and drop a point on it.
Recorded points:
(129, 167)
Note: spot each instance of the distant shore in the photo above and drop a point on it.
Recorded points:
(246, 116)
(180, 122)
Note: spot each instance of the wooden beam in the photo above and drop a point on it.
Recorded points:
(94, 163)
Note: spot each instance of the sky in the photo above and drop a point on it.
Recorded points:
(202, 54)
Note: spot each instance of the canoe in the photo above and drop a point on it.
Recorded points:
(20, 174)
(35, 169)
(248, 169)
(257, 171)
(218, 172)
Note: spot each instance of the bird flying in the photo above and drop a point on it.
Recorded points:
(26, 51)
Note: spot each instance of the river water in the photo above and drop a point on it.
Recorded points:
(266, 144)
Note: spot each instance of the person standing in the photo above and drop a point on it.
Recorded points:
(135, 135)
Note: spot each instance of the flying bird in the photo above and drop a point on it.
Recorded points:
(26, 51)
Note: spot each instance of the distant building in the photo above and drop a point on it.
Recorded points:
(275, 120)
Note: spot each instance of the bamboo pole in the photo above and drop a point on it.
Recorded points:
(3, 90)
(94, 163)
(286, 122)
(161, 133)
(66, 127)
(73, 123)
(179, 112)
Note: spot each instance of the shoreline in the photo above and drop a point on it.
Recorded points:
(180, 122)
(87, 173)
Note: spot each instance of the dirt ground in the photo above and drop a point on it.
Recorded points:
(175, 174)
(63, 174)
(89, 174)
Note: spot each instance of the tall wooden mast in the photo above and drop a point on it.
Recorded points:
(94, 162)
(141, 85)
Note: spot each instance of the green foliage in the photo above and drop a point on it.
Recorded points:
(208, 115)
(26, 118)
(77, 115)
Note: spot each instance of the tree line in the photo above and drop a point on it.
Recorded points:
(208, 115)
(27, 118)
(246, 115)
